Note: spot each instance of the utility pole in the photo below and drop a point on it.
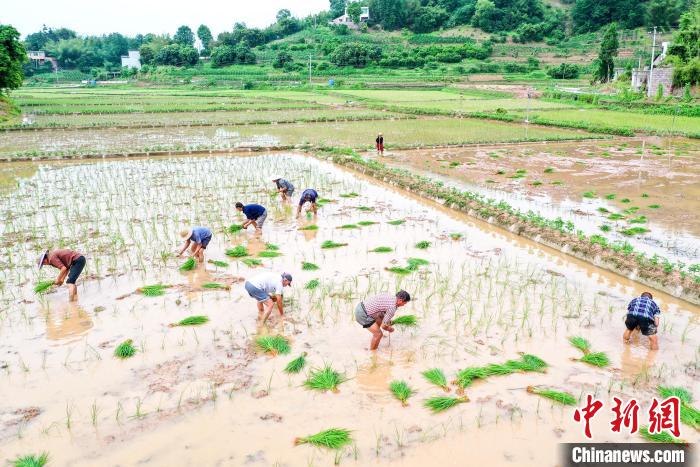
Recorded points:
(651, 68)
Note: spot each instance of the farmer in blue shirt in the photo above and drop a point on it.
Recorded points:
(198, 238)
(254, 213)
(308, 196)
(284, 187)
(643, 314)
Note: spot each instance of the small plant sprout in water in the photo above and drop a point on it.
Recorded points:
(382, 249)
(436, 377)
(296, 365)
(580, 343)
(526, 363)
(237, 252)
(155, 290)
(589, 194)
(324, 379)
(195, 320)
(312, 284)
(309, 266)
(406, 320)
(662, 437)
(188, 265)
(125, 350)
(31, 460)
(332, 244)
(610, 196)
(332, 438)
(442, 403)
(423, 244)
(401, 391)
(274, 345)
(42, 287)
(557, 396)
(654, 206)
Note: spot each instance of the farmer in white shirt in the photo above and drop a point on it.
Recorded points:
(267, 288)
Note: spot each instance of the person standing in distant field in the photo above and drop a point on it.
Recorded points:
(198, 238)
(375, 314)
(254, 213)
(284, 187)
(308, 196)
(643, 314)
(267, 288)
(70, 263)
(380, 144)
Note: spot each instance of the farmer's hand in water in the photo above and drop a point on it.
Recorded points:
(388, 328)
(58, 282)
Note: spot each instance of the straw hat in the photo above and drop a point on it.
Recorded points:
(185, 233)
(43, 256)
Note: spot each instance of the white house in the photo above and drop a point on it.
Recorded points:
(364, 14)
(133, 60)
(39, 55)
(347, 21)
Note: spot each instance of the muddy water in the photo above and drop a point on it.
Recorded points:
(638, 173)
(203, 396)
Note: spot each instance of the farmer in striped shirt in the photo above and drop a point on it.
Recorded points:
(375, 314)
(643, 314)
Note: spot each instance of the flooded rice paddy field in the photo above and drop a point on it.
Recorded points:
(204, 395)
(604, 188)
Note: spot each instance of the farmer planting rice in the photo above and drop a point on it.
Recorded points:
(643, 314)
(268, 288)
(308, 196)
(380, 144)
(284, 187)
(375, 314)
(197, 240)
(254, 213)
(70, 263)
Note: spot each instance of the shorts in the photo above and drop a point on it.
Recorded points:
(362, 317)
(261, 220)
(289, 192)
(646, 325)
(75, 269)
(256, 293)
(205, 242)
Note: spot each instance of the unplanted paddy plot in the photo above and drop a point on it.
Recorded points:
(482, 105)
(481, 298)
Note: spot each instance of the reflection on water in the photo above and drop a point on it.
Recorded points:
(637, 360)
(67, 321)
(375, 375)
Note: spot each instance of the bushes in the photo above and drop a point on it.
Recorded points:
(229, 55)
(177, 55)
(564, 71)
(355, 54)
(283, 59)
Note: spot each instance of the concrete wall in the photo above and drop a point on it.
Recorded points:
(663, 76)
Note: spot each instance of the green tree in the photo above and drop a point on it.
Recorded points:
(337, 7)
(283, 58)
(184, 36)
(355, 54)
(205, 36)
(391, 14)
(663, 13)
(608, 52)
(591, 15)
(429, 18)
(485, 14)
(12, 56)
(354, 11)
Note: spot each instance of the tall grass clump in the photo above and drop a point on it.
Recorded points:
(401, 391)
(155, 290)
(275, 345)
(332, 438)
(296, 365)
(527, 363)
(237, 252)
(442, 403)
(194, 320)
(30, 460)
(42, 286)
(125, 350)
(436, 377)
(188, 265)
(324, 379)
(557, 396)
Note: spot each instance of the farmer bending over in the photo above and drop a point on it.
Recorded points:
(254, 213)
(380, 144)
(284, 187)
(643, 314)
(71, 264)
(267, 288)
(375, 313)
(198, 238)
(308, 196)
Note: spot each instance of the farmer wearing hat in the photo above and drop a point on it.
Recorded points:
(380, 144)
(308, 196)
(70, 263)
(284, 187)
(254, 213)
(375, 314)
(198, 238)
(267, 288)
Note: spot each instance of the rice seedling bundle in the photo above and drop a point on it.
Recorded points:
(413, 263)
(237, 252)
(153, 290)
(599, 359)
(406, 320)
(332, 244)
(233, 228)
(218, 264)
(296, 365)
(422, 245)
(558, 396)
(274, 345)
(382, 249)
(312, 284)
(214, 285)
(396, 222)
(662, 437)
(333, 438)
(401, 390)
(349, 195)
(436, 377)
(366, 223)
(309, 266)
(251, 262)
(271, 246)
(42, 286)
(456, 236)
(365, 208)
(349, 226)
(309, 227)
(526, 363)
(194, 320)
(188, 265)
(689, 414)
(31, 460)
(580, 343)
(442, 403)
(125, 350)
(269, 254)
(673, 391)
(324, 379)
(323, 201)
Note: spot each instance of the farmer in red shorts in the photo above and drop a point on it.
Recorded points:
(380, 144)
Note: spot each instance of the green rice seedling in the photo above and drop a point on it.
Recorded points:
(638, 220)
(366, 223)
(233, 228)
(271, 246)
(402, 391)
(405, 320)
(557, 183)
(625, 200)
(615, 216)
(610, 196)
(312, 284)
(599, 359)
(414, 263)
(349, 195)
(42, 286)
(309, 227)
(269, 254)
(323, 201)
(442, 403)
(662, 437)
(194, 320)
(423, 244)
(549, 170)
(645, 195)
(500, 172)
(215, 285)
(125, 350)
(251, 262)
(153, 290)
(558, 396)
(674, 391)
(188, 265)
(218, 264)
(526, 363)
(580, 343)
(332, 244)
(365, 208)
(689, 414)
(634, 231)
(382, 249)
(631, 210)
(237, 252)
(456, 236)
(536, 183)
(296, 365)
(654, 206)
(333, 438)
(309, 266)
(274, 345)
(31, 460)
(324, 379)
(396, 222)
(603, 210)
(589, 194)
(605, 228)
(349, 226)
(400, 270)
(436, 377)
